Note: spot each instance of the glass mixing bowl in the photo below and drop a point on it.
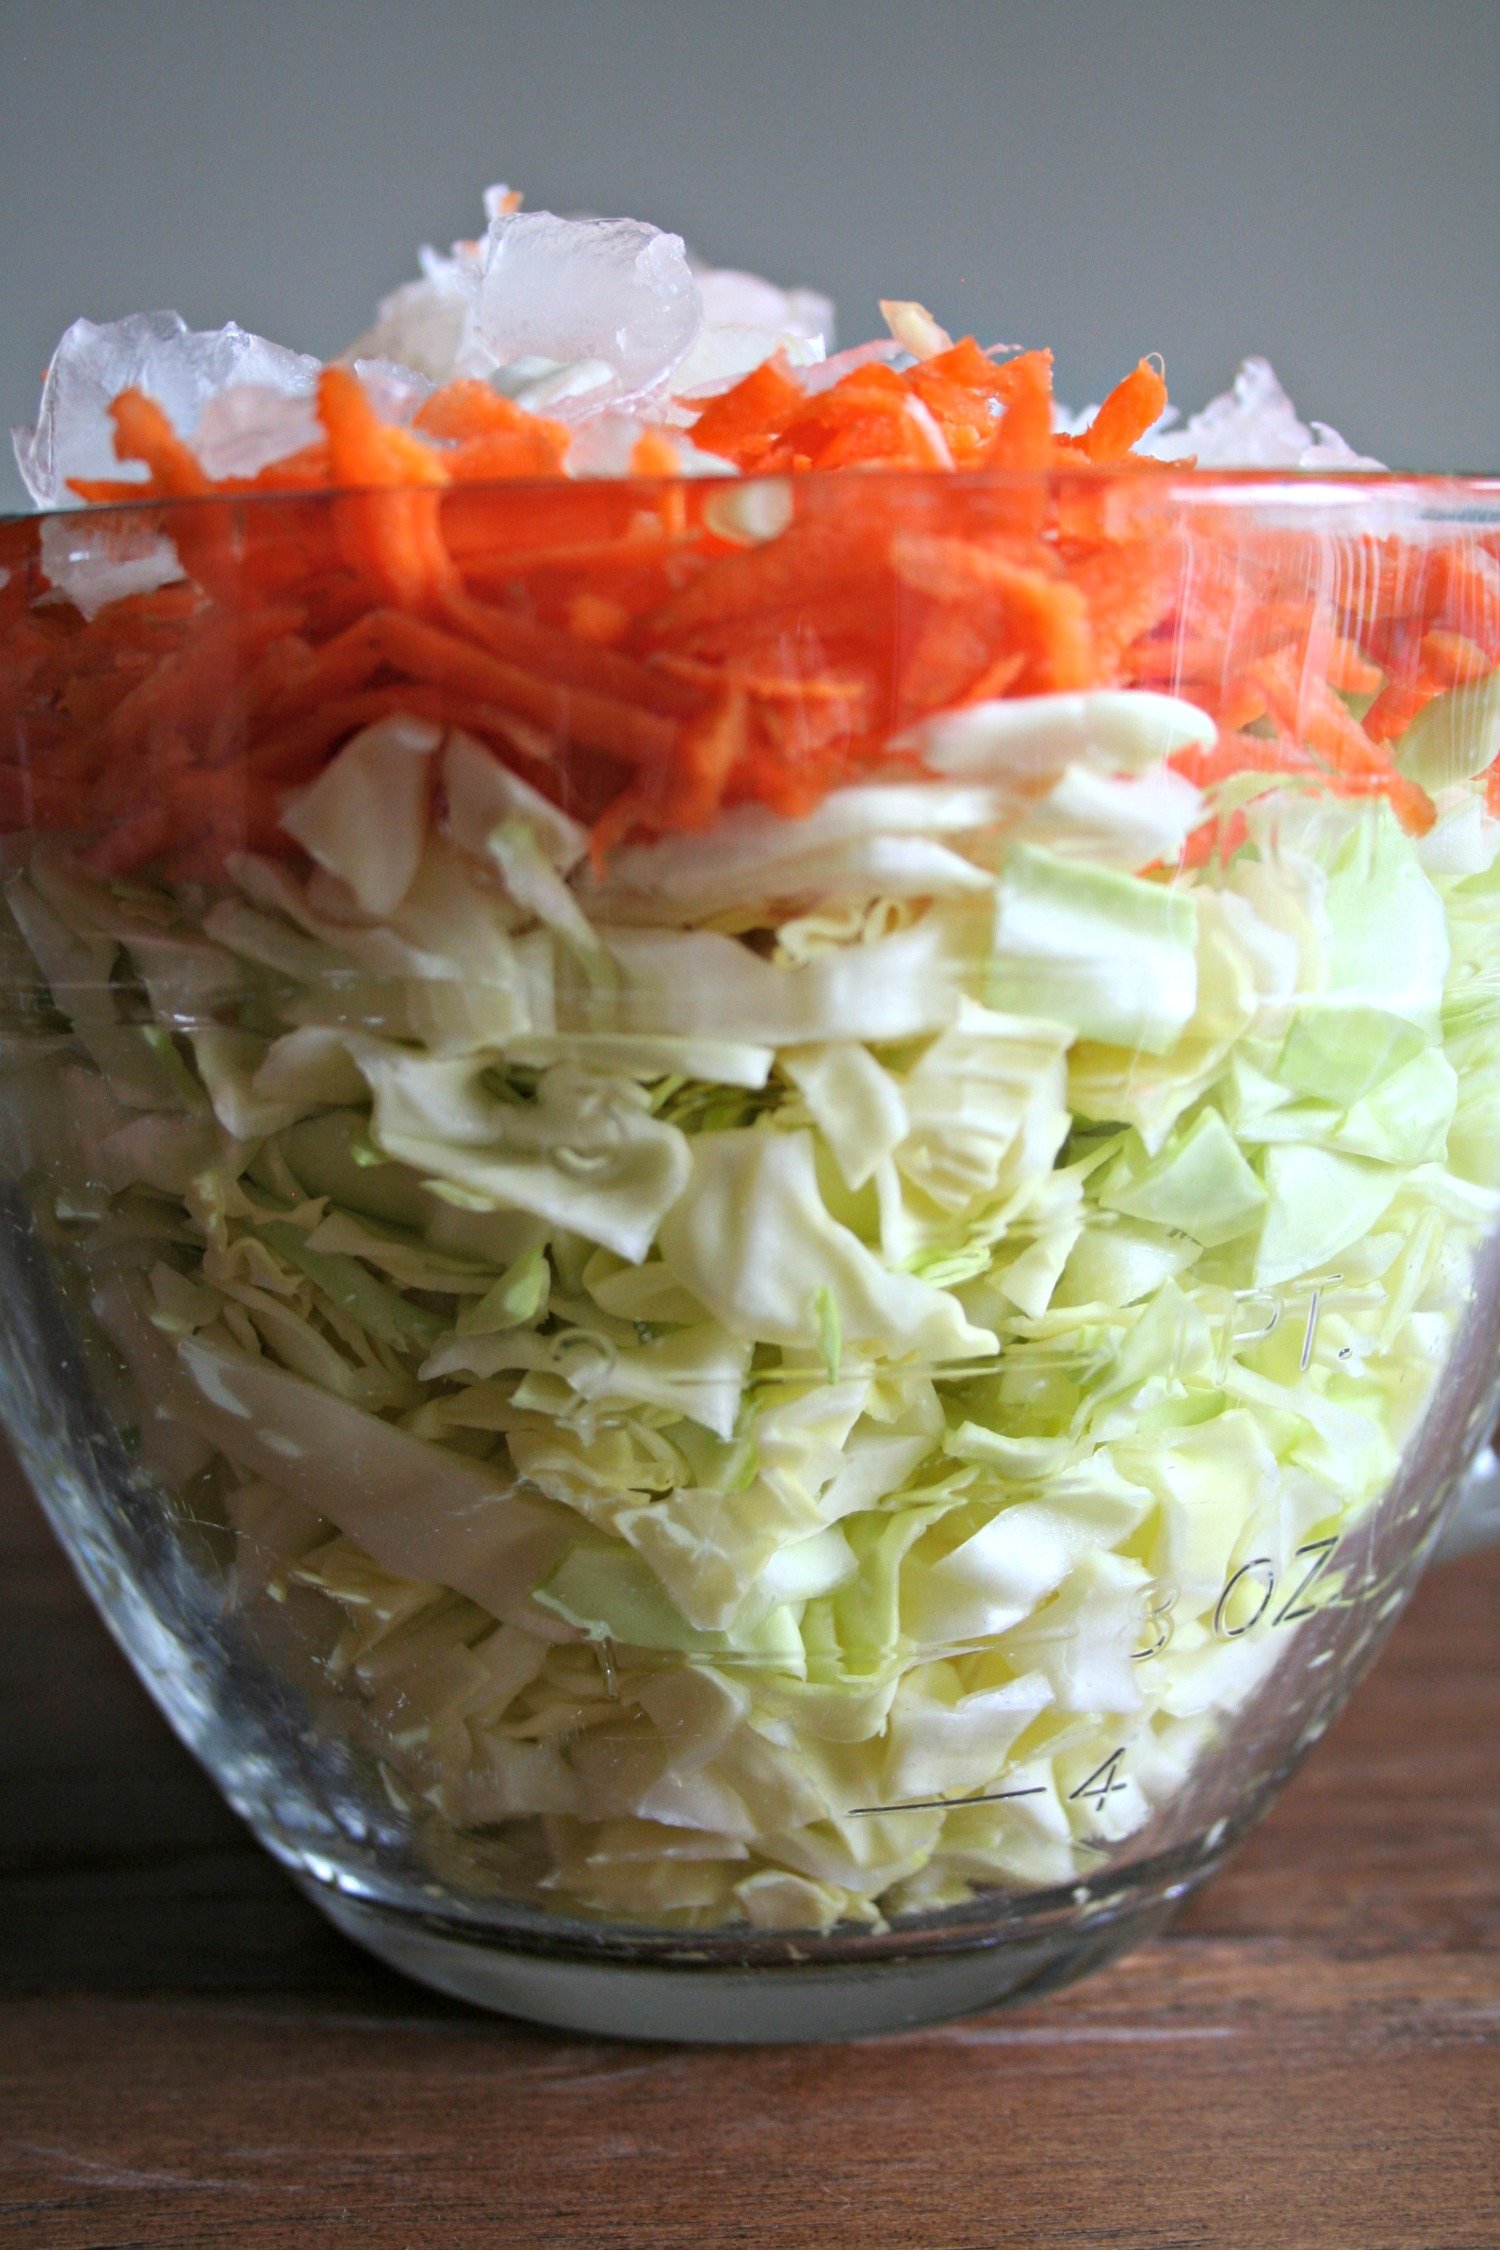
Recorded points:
(749, 1227)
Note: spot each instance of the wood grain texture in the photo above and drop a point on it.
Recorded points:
(1309, 2058)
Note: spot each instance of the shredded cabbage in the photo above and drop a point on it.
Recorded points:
(787, 1363)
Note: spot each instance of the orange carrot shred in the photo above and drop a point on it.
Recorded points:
(1023, 439)
(1126, 415)
(143, 433)
(653, 455)
(647, 660)
(744, 423)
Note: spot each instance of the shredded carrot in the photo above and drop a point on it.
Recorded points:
(743, 424)
(389, 529)
(686, 791)
(961, 389)
(1444, 660)
(594, 617)
(1453, 659)
(1468, 595)
(1126, 415)
(1396, 706)
(1035, 613)
(1215, 839)
(647, 659)
(143, 433)
(862, 419)
(362, 449)
(464, 410)
(599, 721)
(1023, 438)
(1348, 670)
(1235, 754)
(653, 455)
(108, 492)
(544, 649)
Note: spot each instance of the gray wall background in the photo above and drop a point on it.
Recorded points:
(1316, 179)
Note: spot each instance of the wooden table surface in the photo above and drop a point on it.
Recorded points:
(189, 2057)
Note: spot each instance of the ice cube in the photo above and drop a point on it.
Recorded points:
(1331, 451)
(427, 325)
(746, 320)
(743, 300)
(615, 290)
(566, 390)
(1254, 425)
(94, 560)
(393, 389)
(726, 350)
(156, 352)
(242, 430)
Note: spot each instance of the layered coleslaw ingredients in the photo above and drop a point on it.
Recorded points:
(802, 1397)
(784, 1151)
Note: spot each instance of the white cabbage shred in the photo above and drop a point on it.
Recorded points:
(787, 1365)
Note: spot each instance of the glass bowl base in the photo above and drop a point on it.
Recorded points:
(729, 2005)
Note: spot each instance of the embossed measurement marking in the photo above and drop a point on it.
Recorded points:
(1160, 1603)
(1260, 1571)
(1103, 1782)
(1321, 1551)
(946, 1804)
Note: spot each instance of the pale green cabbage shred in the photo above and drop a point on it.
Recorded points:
(831, 1315)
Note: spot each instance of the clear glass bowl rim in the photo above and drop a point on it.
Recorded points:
(1304, 488)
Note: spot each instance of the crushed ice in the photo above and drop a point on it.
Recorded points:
(1254, 425)
(615, 291)
(156, 352)
(94, 559)
(602, 323)
(426, 324)
(243, 429)
(576, 316)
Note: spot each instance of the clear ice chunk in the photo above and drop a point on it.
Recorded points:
(615, 290)
(743, 300)
(181, 368)
(573, 317)
(93, 559)
(243, 429)
(428, 324)
(395, 390)
(1254, 425)
(727, 350)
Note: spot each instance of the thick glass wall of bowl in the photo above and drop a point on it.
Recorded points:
(848, 1376)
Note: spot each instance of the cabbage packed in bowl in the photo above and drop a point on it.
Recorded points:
(821, 1362)
(772, 1162)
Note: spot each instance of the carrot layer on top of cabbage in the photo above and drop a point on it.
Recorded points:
(628, 645)
(771, 1151)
